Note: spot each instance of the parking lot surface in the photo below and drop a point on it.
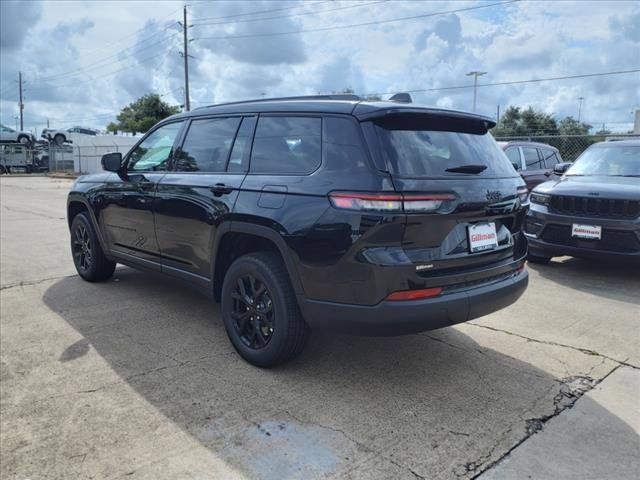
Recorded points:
(135, 378)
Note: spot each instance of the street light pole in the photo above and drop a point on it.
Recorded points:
(475, 74)
(580, 108)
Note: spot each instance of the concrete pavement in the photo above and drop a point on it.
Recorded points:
(135, 378)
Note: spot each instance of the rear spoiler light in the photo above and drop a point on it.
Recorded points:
(392, 202)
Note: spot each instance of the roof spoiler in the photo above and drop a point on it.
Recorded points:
(401, 97)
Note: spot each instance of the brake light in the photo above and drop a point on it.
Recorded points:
(415, 294)
(392, 202)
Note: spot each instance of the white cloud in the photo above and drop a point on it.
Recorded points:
(82, 60)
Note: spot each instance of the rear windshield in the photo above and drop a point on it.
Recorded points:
(429, 153)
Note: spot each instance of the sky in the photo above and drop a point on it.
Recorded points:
(82, 61)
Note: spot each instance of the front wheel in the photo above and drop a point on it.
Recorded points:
(260, 310)
(59, 139)
(88, 257)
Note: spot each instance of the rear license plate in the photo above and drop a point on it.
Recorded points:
(482, 236)
(592, 232)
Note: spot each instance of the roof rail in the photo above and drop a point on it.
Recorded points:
(337, 96)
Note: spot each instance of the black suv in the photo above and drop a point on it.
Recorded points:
(368, 218)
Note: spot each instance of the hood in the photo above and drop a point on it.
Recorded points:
(627, 188)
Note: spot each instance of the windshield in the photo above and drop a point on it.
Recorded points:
(426, 153)
(608, 160)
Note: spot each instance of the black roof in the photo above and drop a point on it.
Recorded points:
(338, 104)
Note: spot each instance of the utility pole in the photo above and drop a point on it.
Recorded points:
(580, 107)
(47, 123)
(20, 105)
(187, 104)
(475, 74)
(498, 115)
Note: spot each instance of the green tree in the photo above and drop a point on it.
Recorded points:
(142, 114)
(515, 122)
(571, 126)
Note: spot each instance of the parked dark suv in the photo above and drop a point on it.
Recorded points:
(593, 210)
(535, 162)
(313, 213)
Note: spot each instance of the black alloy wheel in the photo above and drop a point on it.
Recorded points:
(252, 312)
(82, 247)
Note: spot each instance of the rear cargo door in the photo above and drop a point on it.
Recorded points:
(463, 198)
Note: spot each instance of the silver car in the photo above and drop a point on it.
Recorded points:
(9, 135)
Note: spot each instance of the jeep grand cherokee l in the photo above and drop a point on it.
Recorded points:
(367, 218)
(593, 210)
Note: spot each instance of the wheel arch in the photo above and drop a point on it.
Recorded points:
(239, 238)
(77, 204)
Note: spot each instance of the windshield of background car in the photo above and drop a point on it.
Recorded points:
(427, 153)
(613, 160)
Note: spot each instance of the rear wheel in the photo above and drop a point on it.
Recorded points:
(540, 259)
(260, 310)
(88, 257)
(23, 139)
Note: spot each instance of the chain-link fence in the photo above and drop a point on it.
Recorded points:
(570, 146)
(82, 155)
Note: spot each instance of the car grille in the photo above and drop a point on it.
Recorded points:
(620, 241)
(594, 207)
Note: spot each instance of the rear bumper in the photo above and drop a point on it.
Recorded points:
(404, 317)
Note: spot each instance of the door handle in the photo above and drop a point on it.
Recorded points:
(220, 189)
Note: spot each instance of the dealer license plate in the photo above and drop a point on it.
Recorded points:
(592, 232)
(482, 236)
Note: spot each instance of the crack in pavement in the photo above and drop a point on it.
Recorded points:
(586, 351)
(571, 390)
(358, 443)
(28, 283)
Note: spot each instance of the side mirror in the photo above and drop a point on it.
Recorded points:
(112, 162)
(560, 168)
(516, 165)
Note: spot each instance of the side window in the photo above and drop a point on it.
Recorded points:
(239, 159)
(549, 157)
(287, 145)
(154, 151)
(514, 157)
(531, 158)
(207, 145)
(342, 146)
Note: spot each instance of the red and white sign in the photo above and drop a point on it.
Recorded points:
(482, 236)
(592, 232)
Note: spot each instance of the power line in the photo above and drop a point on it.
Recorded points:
(199, 24)
(355, 25)
(264, 11)
(98, 64)
(514, 82)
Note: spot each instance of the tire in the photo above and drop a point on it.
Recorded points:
(271, 331)
(88, 257)
(541, 260)
(58, 139)
(24, 140)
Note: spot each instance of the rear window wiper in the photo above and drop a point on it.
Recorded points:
(475, 169)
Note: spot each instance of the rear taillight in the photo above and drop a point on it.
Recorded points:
(523, 195)
(391, 202)
(415, 294)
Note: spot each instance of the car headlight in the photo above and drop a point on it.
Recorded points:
(540, 198)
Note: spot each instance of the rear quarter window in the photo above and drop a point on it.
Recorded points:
(342, 145)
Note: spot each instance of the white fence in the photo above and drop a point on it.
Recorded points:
(83, 155)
